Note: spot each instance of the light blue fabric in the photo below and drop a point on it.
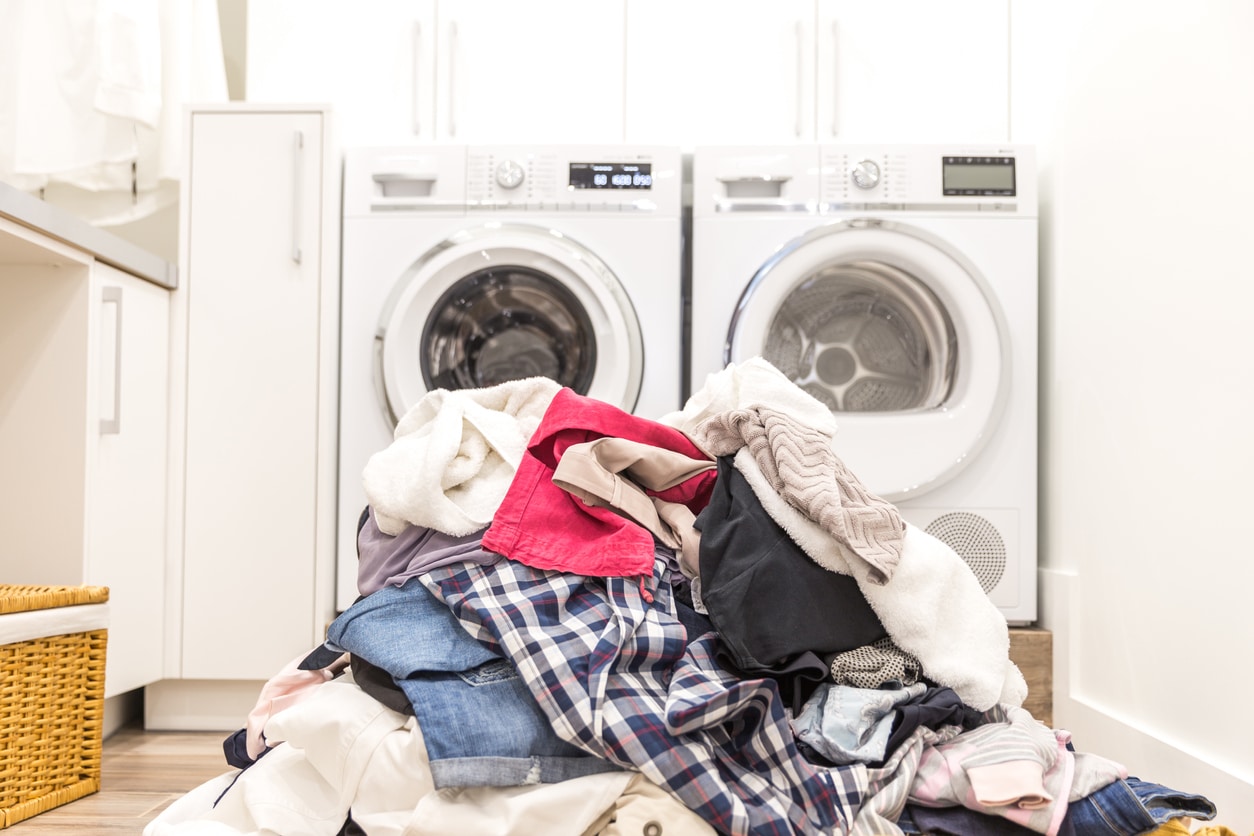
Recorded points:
(481, 724)
(851, 725)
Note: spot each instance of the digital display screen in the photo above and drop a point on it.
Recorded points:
(611, 175)
(978, 176)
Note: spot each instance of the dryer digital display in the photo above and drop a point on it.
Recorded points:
(611, 175)
(979, 176)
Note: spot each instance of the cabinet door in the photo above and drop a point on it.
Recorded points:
(374, 63)
(526, 72)
(913, 71)
(253, 278)
(126, 535)
(711, 72)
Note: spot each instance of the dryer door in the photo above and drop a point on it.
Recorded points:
(504, 302)
(897, 333)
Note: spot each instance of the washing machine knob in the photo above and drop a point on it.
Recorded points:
(509, 174)
(865, 174)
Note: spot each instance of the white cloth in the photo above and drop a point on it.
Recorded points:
(92, 95)
(933, 608)
(739, 386)
(341, 749)
(454, 455)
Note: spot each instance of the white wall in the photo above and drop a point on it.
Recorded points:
(1143, 113)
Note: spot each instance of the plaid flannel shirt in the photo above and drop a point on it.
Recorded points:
(616, 676)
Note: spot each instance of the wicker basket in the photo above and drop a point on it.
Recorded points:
(51, 706)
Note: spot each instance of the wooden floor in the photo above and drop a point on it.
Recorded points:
(141, 773)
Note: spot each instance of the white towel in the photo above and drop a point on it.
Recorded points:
(747, 384)
(454, 455)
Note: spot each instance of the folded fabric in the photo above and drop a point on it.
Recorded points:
(453, 456)
(615, 473)
(798, 462)
(545, 527)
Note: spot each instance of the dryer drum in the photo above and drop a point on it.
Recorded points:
(865, 336)
(507, 323)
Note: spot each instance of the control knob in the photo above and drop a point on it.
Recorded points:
(509, 174)
(866, 174)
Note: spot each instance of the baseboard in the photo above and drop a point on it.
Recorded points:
(199, 704)
(1148, 753)
(122, 710)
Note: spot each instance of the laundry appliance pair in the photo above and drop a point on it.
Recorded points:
(896, 284)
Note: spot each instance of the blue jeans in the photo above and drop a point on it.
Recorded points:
(1124, 808)
(480, 722)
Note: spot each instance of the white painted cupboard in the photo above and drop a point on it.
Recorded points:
(84, 405)
(676, 72)
(256, 339)
(710, 72)
(398, 71)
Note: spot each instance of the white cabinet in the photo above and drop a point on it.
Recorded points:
(126, 544)
(708, 72)
(84, 365)
(913, 71)
(466, 71)
(702, 72)
(257, 315)
(374, 62)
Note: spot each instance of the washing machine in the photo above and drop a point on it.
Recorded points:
(467, 266)
(898, 285)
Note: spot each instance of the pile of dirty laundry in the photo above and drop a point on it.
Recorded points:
(574, 620)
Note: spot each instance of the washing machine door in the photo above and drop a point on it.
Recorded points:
(897, 333)
(504, 302)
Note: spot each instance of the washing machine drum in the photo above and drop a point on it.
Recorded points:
(506, 302)
(897, 333)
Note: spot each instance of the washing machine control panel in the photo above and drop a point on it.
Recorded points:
(571, 178)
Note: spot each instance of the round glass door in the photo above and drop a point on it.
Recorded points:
(506, 302)
(897, 333)
(864, 336)
(507, 323)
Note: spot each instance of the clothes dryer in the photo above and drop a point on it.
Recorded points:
(467, 266)
(898, 285)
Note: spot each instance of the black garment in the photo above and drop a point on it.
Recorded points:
(769, 601)
(380, 684)
(935, 708)
(798, 678)
(235, 749)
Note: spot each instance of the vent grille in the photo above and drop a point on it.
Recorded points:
(977, 541)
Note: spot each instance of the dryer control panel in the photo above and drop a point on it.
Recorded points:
(837, 178)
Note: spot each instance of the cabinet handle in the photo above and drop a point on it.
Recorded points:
(298, 192)
(452, 79)
(835, 78)
(112, 295)
(415, 107)
(797, 127)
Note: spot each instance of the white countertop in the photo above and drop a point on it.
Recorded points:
(55, 222)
